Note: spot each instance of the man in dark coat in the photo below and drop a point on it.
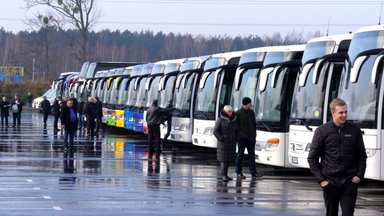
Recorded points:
(225, 132)
(29, 101)
(68, 118)
(46, 108)
(80, 110)
(337, 159)
(56, 108)
(247, 138)
(17, 108)
(99, 115)
(154, 118)
(90, 113)
(4, 107)
(168, 119)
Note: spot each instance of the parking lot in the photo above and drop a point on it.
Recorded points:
(113, 174)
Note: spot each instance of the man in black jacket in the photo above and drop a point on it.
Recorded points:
(247, 138)
(4, 107)
(339, 146)
(80, 110)
(17, 108)
(68, 118)
(154, 118)
(90, 112)
(46, 108)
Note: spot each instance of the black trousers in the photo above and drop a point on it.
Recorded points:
(16, 118)
(154, 135)
(168, 133)
(343, 194)
(99, 124)
(224, 168)
(45, 117)
(55, 122)
(4, 119)
(91, 126)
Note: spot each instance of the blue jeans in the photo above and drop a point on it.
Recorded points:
(69, 136)
(250, 145)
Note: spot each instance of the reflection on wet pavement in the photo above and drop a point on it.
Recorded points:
(113, 174)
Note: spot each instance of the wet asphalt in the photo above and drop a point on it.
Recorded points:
(113, 174)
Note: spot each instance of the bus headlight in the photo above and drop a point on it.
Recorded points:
(208, 131)
(370, 152)
(184, 127)
(272, 144)
(307, 147)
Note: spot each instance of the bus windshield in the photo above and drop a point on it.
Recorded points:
(83, 71)
(362, 96)
(317, 49)
(91, 70)
(183, 96)
(308, 101)
(248, 84)
(132, 93)
(365, 41)
(141, 94)
(167, 94)
(123, 96)
(268, 102)
(153, 91)
(206, 97)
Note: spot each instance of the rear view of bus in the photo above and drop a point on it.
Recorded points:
(361, 86)
(214, 91)
(272, 104)
(184, 99)
(317, 85)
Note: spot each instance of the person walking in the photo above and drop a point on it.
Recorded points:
(46, 108)
(17, 108)
(340, 147)
(56, 108)
(99, 115)
(247, 138)
(90, 114)
(29, 101)
(168, 119)
(4, 107)
(154, 119)
(68, 118)
(225, 131)
(80, 110)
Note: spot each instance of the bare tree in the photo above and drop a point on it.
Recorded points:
(80, 14)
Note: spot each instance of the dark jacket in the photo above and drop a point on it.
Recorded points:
(65, 118)
(4, 107)
(155, 115)
(90, 110)
(56, 108)
(80, 108)
(341, 151)
(226, 131)
(19, 105)
(45, 106)
(99, 109)
(247, 124)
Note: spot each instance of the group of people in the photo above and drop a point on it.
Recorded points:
(74, 115)
(15, 106)
(337, 156)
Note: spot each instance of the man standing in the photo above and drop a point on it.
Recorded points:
(99, 115)
(80, 108)
(68, 118)
(17, 107)
(340, 147)
(56, 112)
(4, 107)
(90, 114)
(45, 107)
(168, 119)
(29, 101)
(247, 138)
(75, 103)
(154, 118)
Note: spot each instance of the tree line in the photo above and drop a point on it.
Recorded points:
(47, 52)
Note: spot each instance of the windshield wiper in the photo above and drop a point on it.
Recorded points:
(305, 124)
(265, 125)
(202, 114)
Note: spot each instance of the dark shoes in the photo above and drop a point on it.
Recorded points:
(227, 178)
(257, 175)
(240, 176)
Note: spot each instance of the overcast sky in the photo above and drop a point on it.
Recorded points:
(220, 17)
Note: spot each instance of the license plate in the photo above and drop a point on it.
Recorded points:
(295, 160)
